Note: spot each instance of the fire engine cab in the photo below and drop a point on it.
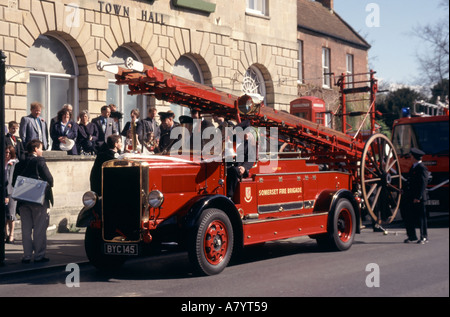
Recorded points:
(318, 190)
(426, 127)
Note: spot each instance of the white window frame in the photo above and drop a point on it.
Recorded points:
(300, 78)
(349, 61)
(257, 7)
(326, 67)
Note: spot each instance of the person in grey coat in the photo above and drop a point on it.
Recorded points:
(33, 127)
(105, 126)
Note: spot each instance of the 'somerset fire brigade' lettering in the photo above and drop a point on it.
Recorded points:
(280, 191)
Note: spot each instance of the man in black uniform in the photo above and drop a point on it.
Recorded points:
(109, 151)
(166, 127)
(241, 166)
(415, 198)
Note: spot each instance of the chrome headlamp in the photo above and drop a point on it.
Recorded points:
(155, 199)
(89, 199)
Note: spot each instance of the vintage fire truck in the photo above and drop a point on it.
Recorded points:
(426, 127)
(318, 189)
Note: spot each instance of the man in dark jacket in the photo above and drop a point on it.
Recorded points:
(108, 152)
(244, 160)
(105, 126)
(415, 198)
(34, 217)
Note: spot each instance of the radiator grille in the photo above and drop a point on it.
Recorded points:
(121, 203)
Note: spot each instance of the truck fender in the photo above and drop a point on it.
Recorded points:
(220, 202)
(328, 199)
(87, 215)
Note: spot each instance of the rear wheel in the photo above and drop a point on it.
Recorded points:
(341, 227)
(211, 242)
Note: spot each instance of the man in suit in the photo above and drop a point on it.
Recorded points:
(15, 141)
(105, 126)
(33, 127)
(151, 131)
(415, 197)
(34, 217)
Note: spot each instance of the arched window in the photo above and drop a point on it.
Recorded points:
(118, 94)
(53, 76)
(187, 68)
(253, 83)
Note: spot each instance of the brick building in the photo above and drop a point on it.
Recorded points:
(327, 44)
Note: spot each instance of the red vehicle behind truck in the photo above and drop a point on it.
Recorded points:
(426, 128)
(317, 191)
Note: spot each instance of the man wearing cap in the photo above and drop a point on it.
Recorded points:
(166, 127)
(415, 197)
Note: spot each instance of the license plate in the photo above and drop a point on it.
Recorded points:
(432, 202)
(121, 249)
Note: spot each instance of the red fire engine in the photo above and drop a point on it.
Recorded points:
(318, 190)
(426, 128)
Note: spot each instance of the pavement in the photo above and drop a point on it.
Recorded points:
(62, 249)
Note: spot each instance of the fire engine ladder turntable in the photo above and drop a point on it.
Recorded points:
(373, 163)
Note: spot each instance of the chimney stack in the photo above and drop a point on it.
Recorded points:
(327, 3)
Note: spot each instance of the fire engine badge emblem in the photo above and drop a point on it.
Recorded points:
(248, 194)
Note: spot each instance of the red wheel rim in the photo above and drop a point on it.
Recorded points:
(344, 225)
(216, 242)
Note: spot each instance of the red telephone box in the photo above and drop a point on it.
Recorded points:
(310, 108)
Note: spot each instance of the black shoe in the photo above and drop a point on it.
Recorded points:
(408, 240)
(26, 261)
(422, 241)
(42, 260)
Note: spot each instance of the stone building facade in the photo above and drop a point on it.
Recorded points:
(52, 47)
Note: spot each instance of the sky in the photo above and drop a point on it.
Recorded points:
(387, 25)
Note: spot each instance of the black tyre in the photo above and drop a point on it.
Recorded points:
(211, 242)
(341, 227)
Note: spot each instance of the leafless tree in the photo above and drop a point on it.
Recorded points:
(434, 61)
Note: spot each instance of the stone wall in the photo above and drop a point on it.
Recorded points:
(71, 181)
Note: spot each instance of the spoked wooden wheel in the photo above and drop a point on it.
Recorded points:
(381, 180)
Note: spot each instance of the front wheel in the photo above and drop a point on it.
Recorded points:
(211, 242)
(94, 247)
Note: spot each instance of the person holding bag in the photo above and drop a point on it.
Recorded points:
(34, 217)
